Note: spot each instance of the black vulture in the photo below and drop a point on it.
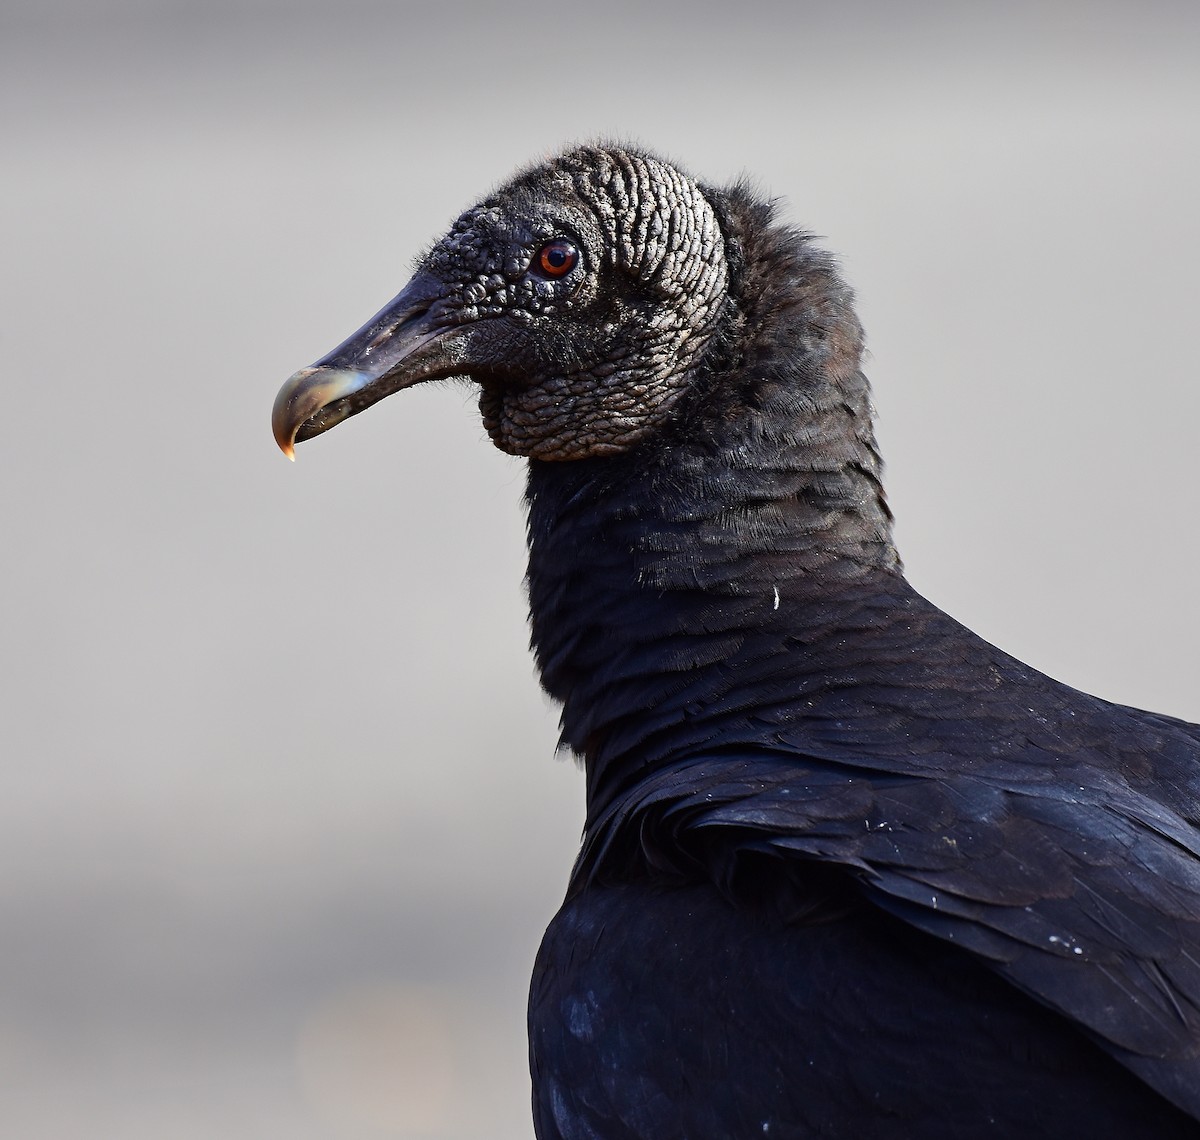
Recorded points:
(848, 870)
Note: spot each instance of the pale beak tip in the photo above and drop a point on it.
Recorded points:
(286, 441)
(309, 397)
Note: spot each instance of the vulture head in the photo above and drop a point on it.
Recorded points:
(601, 300)
(581, 298)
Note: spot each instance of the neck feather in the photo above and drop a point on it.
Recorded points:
(745, 518)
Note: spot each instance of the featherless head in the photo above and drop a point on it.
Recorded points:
(594, 284)
(581, 297)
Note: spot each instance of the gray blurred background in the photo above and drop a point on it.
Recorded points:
(280, 818)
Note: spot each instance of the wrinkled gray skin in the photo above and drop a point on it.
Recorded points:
(580, 366)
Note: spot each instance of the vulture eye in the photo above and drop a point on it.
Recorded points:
(557, 258)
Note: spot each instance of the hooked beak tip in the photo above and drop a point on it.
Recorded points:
(308, 394)
(283, 428)
(376, 361)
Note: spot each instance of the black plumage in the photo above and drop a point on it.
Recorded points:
(848, 870)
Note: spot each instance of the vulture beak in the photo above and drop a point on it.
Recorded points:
(400, 346)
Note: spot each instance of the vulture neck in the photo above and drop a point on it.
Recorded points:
(721, 551)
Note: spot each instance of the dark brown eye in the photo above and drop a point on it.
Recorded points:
(557, 258)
